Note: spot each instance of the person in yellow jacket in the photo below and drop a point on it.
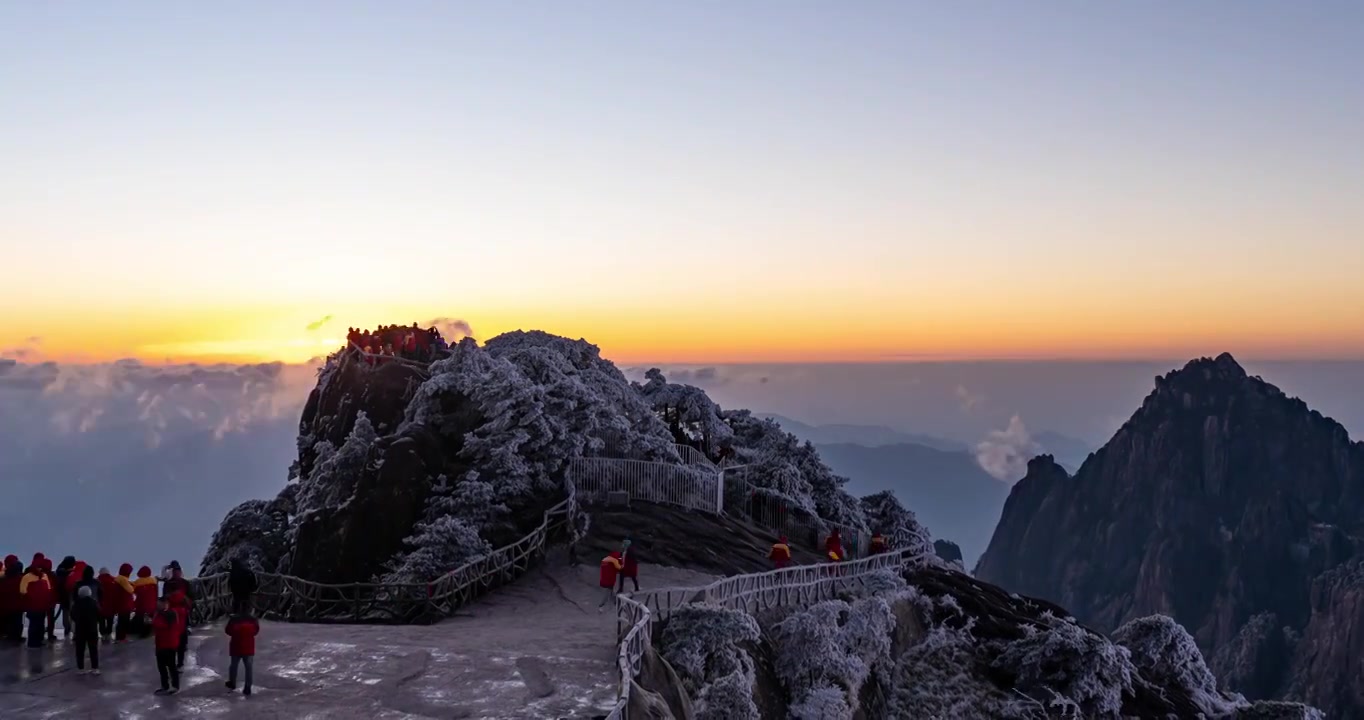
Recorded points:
(126, 602)
(35, 590)
(780, 554)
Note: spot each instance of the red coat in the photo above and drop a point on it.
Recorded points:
(780, 555)
(36, 592)
(144, 592)
(630, 568)
(243, 632)
(9, 595)
(610, 566)
(833, 544)
(166, 627)
(73, 577)
(110, 604)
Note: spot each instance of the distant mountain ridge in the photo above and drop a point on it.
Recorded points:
(868, 435)
(950, 493)
(1225, 503)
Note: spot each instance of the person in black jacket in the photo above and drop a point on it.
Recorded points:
(243, 584)
(63, 598)
(84, 613)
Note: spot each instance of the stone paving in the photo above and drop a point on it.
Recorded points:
(535, 649)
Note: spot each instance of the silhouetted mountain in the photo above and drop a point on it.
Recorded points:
(868, 435)
(1069, 452)
(1223, 503)
(949, 492)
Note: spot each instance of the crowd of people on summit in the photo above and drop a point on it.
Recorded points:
(409, 343)
(98, 606)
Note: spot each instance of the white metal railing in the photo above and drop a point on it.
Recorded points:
(801, 585)
(692, 456)
(687, 486)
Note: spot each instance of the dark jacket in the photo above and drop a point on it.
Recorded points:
(240, 580)
(60, 585)
(89, 580)
(85, 610)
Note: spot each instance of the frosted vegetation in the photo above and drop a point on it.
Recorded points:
(511, 415)
(705, 645)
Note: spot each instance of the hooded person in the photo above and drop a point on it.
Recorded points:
(109, 602)
(11, 605)
(125, 603)
(144, 600)
(242, 583)
(177, 588)
(877, 545)
(833, 546)
(84, 614)
(780, 554)
(35, 590)
(167, 630)
(61, 586)
(629, 567)
(610, 568)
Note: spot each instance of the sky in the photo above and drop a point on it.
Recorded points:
(704, 182)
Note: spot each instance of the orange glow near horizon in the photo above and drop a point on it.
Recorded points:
(768, 333)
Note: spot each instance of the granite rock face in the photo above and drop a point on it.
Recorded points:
(1223, 503)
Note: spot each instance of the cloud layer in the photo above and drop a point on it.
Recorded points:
(121, 461)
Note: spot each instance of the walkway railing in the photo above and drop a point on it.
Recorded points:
(300, 600)
(687, 486)
(692, 456)
(801, 585)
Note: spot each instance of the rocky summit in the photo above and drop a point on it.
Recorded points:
(406, 470)
(1225, 504)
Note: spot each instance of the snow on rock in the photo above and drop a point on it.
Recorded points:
(1166, 654)
(255, 531)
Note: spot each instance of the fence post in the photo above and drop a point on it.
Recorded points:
(720, 493)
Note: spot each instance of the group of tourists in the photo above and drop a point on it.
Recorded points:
(622, 564)
(98, 605)
(410, 343)
(780, 554)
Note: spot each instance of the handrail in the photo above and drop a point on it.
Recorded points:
(414, 364)
(801, 585)
(690, 486)
(692, 456)
(297, 599)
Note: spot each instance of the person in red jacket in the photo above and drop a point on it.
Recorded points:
(243, 630)
(833, 546)
(179, 604)
(109, 602)
(144, 600)
(877, 545)
(780, 554)
(125, 602)
(11, 610)
(610, 567)
(166, 629)
(35, 590)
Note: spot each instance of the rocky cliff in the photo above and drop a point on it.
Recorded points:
(1223, 503)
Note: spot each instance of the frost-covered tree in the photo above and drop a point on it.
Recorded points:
(448, 534)
(337, 471)
(779, 465)
(824, 703)
(900, 527)
(690, 414)
(937, 678)
(729, 697)
(702, 642)
(1164, 652)
(832, 644)
(255, 531)
(1073, 666)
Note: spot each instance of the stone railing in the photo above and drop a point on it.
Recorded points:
(799, 586)
(298, 600)
(690, 486)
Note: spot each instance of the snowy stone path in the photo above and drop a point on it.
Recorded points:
(537, 648)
